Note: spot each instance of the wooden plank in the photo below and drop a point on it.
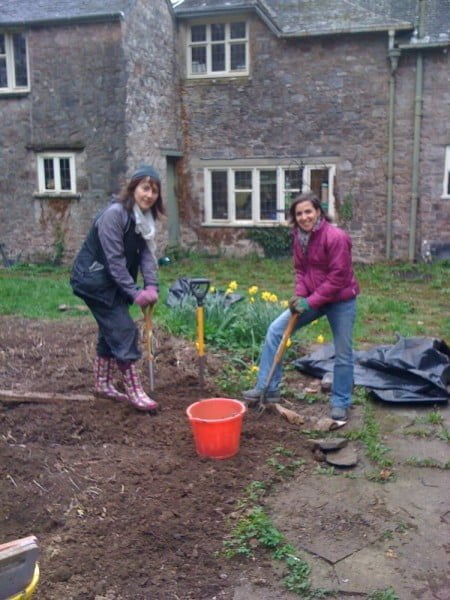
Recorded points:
(8, 396)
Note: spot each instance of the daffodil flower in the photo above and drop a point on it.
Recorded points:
(253, 290)
(233, 285)
(289, 343)
(212, 289)
(320, 339)
(251, 299)
(254, 369)
(265, 296)
(273, 298)
(284, 303)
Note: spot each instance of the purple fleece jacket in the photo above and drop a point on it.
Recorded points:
(324, 273)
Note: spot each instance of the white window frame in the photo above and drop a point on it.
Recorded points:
(56, 157)
(256, 220)
(446, 182)
(8, 57)
(209, 43)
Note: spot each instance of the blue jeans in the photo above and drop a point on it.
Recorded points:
(341, 316)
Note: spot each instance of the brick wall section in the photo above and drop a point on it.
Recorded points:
(152, 103)
(434, 211)
(76, 98)
(107, 89)
(312, 97)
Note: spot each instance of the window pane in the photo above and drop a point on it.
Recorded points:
(64, 172)
(2, 44)
(3, 80)
(219, 195)
(243, 205)
(268, 188)
(217, 31)
(237, 30)
(237, 57)
(243, 179)
(318, 178)
(218, 57)
(20, 60)
(292, 179)
(199, 59)
(198, 33)
(49, 174)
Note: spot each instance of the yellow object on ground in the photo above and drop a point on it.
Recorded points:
(31, 587)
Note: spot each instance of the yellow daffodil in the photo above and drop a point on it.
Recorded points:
(251, 299)
(284, 303)
(233, 285)
(228, 291)
(265, 296)
(212, 289)
(254, 369)
(320, 339)
(273, 298)
(289, 343)
(253, 290)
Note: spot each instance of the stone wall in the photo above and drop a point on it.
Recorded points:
(153, 102)
(106, 91)
(76, 103)
(316, 97)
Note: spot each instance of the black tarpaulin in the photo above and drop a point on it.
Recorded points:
(412, 370)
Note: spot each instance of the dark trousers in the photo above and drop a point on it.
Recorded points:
(117, 332)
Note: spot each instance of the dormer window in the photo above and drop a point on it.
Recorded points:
(217, 49)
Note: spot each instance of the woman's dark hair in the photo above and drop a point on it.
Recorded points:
(126, 196)
(306, 197)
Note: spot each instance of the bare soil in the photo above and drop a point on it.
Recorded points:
(120, 502)
(124, 508)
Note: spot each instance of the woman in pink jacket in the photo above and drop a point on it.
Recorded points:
(325, 285)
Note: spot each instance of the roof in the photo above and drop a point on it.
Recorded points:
(29, 12)
(289, 18)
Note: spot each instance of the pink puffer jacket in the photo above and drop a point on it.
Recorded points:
(325, 273)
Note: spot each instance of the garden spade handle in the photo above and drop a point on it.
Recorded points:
(199, 288)
(279, 354)
(148, 313)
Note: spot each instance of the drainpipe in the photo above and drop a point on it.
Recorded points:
(416, 142)
(394, 55)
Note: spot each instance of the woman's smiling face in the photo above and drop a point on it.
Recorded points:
(306, 215)
(146, 194)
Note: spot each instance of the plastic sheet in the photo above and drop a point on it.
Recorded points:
(414, 370)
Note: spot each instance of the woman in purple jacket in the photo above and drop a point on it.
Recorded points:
(325, 285)
(120, 243)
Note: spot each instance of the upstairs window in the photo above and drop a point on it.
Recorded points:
(263, 195)
(217, 49)
(13, 62)
(56, 173)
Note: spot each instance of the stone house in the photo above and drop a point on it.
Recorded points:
(240, 105)
(88, 90)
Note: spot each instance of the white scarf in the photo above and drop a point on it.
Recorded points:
(145, 225)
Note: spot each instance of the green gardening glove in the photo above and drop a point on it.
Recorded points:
(297, 304)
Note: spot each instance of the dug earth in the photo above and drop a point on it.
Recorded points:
(123, 507)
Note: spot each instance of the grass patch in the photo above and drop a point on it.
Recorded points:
(255, 531)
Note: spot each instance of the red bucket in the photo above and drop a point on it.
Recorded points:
(216, 424)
